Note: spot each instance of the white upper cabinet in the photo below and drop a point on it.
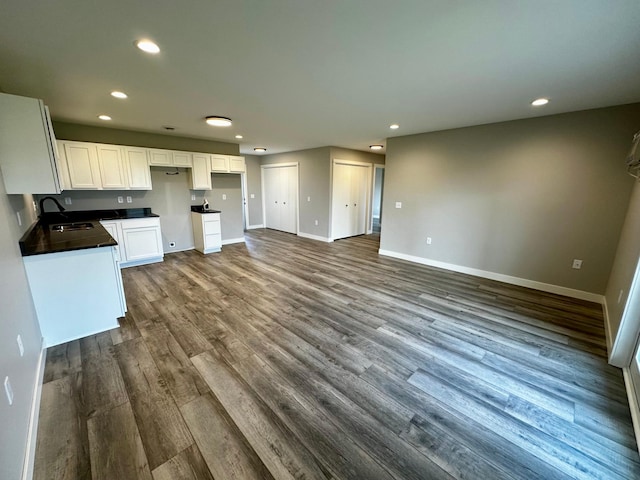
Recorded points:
(201, 172)
(82, 168)
(220, 163)
(182, 159)
(28, 157)
(169, 158)
(236, 164)
(227, 164)
(112, 169)
(137, 166)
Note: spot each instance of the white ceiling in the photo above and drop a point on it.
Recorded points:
(296, 74)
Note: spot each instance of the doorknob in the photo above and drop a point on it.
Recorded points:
(355, 205)
(276, 201)
(284, 203)
(346, 205)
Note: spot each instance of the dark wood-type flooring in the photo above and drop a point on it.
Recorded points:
(288, 358)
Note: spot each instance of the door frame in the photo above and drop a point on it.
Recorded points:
(368, 227)
(376, 167)
(297, 195)
(245, 202)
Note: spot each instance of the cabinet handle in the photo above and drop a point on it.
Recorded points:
(347, 205)
(284, 203)
(355, 205)
(276, 201)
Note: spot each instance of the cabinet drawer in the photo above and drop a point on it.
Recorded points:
(140, 222)
(211, 227)
(212, 241)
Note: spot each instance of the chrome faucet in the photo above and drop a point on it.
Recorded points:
(60, 207)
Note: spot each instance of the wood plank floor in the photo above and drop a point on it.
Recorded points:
(289, 358)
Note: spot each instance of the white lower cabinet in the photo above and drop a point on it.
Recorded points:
(139, 240)
(76, 293)
(207, 235)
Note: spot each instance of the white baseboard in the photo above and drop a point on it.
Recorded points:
(251, 227)
(522, 282)
(233, 240)
(147, 261)
(314, 237)
(607, 326)
(174, 250)
(634, 406)
(34, 415)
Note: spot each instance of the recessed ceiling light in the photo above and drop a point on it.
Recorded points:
(118, 94)
(538, 102)
(259, 149)
(239, 137)
(395, 126)
(147, 46)
(375, 147)
(104, 117)
(216, 121)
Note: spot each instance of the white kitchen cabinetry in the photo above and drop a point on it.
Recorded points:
(28, 154)
(80, 165)
(207, 235)
(76, 293)
(139, 240)
(113, 173)
(137, 165)
(169, 158)
(227, 164)
(201, 172)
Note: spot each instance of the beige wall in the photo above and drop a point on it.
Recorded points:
(314, 183)
(231, 220)
(624, 336)
(17, 317)
(254, 186)
(521, 198)
(87, 133)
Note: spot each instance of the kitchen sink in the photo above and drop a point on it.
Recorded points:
(70, 227)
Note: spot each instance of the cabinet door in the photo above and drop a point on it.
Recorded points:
(142, 242)
(161, 158)
(138, 172)
(220, 163)
(236, 164)
(182, 159)
(201, 172)
(112, 228)
(112, 170)
(82, 165)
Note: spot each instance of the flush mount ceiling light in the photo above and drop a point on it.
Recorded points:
(118, 94)
(538, 102)
(147, 46)
(375, 147)
(216, 121)
(239, 137)
(259, 149)
(394, 126)
(104, 117)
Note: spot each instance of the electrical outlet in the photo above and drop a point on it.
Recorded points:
(398, 204)
(193, 198)
(129, 199)
(253, 195)
(577, 264)
(224, 196)
(8, 390)
(316, 223)
(20, 345)
(19, 219)
(67, 200)
(308, 199)
(172, 244)
(120, 199)
(428, 240)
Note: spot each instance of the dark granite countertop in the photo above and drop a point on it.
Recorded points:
(200, 209)
(41, 238)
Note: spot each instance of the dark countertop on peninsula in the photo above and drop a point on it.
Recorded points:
(41, 239)
(200, 209)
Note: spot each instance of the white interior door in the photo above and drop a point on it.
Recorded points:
(349, 200)
(280, 190)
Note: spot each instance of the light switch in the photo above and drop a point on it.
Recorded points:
(120, 199)
(253, 195)
(224, 196)
(398, 204)
(129, 199)
(308, 199)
